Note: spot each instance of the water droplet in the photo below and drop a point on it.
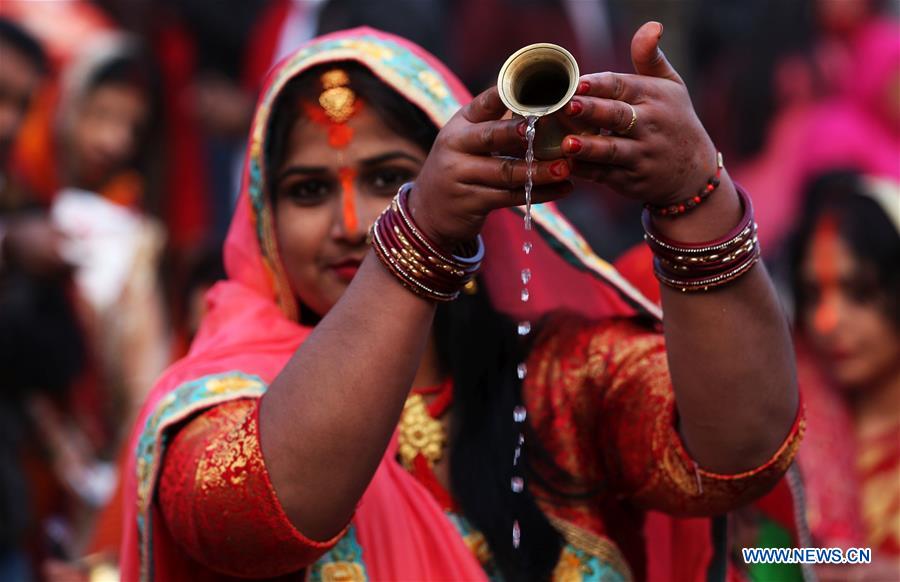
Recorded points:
(516, 454)
(516, 534)
(526, 248)
(524, 327)
(519, 412)
(526, 276)
(525, 296)
(521, 439)
(528, 221)
(517, 484)
(521, 371)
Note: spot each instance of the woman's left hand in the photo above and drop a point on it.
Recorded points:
(657, 150)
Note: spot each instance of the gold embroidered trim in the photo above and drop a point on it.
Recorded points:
(589, 542)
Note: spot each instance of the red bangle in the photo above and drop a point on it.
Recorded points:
(678, 208)
(472, 253)
(710, 263)
(415, 260)
(705, 283)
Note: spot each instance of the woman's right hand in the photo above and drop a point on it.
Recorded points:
(475, 166)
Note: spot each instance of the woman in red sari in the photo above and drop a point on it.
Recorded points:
(330, 422)
(848, 313)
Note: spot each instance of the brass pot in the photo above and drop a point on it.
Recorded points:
(538, 80)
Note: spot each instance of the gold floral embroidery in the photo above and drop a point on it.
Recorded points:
(343, 572)
(600, 399)
(227, 459)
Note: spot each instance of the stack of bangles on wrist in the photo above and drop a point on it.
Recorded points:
(416, 261)
(692, 267)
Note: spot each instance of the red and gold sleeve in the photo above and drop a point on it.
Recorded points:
(616, 376)
(219, 504)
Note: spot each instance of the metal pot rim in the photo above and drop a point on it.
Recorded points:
(543, 48)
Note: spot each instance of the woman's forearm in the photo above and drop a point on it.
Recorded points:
(327, 418)
(730, 353)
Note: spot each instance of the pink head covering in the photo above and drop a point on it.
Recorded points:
(251, 329)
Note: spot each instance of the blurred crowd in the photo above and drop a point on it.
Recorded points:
(122, 133)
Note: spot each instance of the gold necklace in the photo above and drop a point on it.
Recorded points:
(420, 433)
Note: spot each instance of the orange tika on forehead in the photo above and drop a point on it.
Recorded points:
(825, 272)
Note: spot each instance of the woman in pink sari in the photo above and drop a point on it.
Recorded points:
(330, 422)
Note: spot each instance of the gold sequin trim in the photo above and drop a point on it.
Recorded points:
(597, 546)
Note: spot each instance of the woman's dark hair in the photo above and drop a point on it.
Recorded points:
(125, 69)
(863, 226)
(478, 347)
(135, 69)
(132, 69)
(15, 37)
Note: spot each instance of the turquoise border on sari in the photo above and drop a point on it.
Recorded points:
(342, 562)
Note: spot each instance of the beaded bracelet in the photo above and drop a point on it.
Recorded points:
(702, 266)
(415, 260)
(678, 208)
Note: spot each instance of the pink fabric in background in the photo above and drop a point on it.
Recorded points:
(850, 130)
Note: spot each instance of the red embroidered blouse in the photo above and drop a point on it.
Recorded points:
(600, 399)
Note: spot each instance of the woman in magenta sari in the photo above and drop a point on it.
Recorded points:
(331, 422)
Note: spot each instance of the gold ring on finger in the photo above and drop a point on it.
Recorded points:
(633, 121)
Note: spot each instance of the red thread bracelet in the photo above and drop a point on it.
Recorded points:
(676, 209)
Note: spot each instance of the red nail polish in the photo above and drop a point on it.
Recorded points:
(575, 107)
(583, 88)
(560, 169)
(572, 145)
(522, 128)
